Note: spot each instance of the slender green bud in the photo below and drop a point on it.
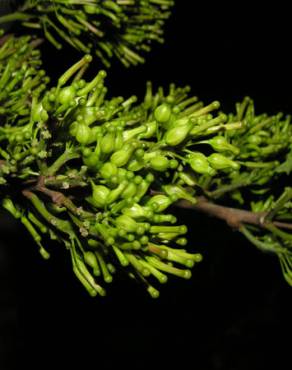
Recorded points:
(159, 202)
(220, 162)
(199, 163)
(127, 223)
(220, 144)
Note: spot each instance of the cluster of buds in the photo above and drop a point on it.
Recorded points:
(21, 76)
(263, 150)
(98, 174)
(274, 239)
(122, 28)
(265, 167)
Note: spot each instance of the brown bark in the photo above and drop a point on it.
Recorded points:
(232, 216)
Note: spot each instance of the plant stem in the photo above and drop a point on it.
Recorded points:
(232, 216)
(65, 157)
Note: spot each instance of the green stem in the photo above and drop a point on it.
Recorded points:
(255, 241)
(280, 203)
(62, 225)
(282, 234)
(65, 157)
(227, 188)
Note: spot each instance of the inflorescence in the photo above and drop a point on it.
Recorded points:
(20, 76)
(100, 174)
(123, 29)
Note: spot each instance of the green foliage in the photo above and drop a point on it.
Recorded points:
(123, 29)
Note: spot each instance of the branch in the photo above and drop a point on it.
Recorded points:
(232, 216)
(59, 198)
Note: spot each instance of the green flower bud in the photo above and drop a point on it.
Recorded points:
(105, 272)
(182, 241)
(164, 218)
(220, 162)
(179, 192)
(255, 139)
(159, 202)
(199, 163)
(90, 260)
(168, 229)
(99, 195)
(83, 134)
(121, 157)
(84, 275)
(173, 164)
(10, 207)
(186, 274)
(73, 128)
(39, 113)
(66, 95)
(105, 233)
(129, 134)
(95, 133)
(137, 211)
(159, 163)
(108, 170)
(187, 179)
(176, 135)
(166, 237)
(135, 165)
(19, 138)
(119, 141)
(220, 144)
(92, 243)
(162, 113)
(127, 223)
(91, 161)
(89, 115)
(153, 292)
(114, 194)
(86, 152)
(142, 188)
(130, 191)
(107, 144)
(90, 9)
(151, 129)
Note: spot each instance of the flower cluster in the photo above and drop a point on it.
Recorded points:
(124, 29)
(21, 76)
(100, 175)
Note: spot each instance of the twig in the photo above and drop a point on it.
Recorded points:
(232, 216)
(59, 198)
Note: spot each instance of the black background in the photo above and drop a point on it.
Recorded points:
(235, 311)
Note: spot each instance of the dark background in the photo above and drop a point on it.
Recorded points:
(235, 311)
